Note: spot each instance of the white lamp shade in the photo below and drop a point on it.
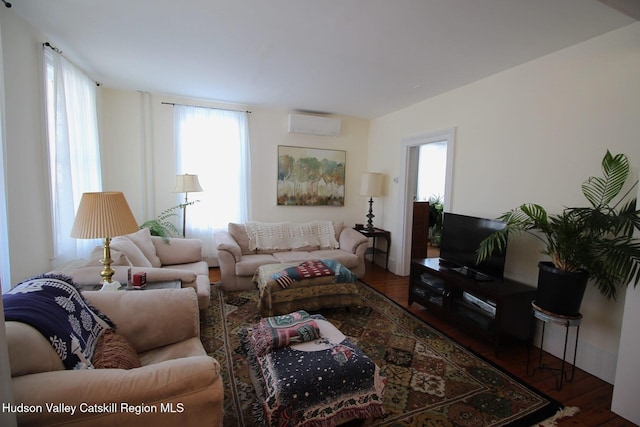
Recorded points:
(103, 214)
(187, 183)
(371, 184)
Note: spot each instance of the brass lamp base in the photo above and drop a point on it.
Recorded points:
(107, 272)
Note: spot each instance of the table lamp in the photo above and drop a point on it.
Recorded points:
(186, 184)
(104, 215)
(371, 186)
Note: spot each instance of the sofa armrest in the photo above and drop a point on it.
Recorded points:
(150, 319)
(173, 381)
(177, 250)
(351, 239)
(226, 242)
(91, 275)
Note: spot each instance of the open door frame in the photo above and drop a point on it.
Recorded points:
(408, 180)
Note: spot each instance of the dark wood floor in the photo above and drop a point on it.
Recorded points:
(589, 393)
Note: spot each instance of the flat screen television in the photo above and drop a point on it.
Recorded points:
(461, 236)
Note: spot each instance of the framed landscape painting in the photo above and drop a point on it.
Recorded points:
(310, 176)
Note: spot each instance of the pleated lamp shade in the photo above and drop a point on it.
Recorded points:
(103, 214)
(187, 183)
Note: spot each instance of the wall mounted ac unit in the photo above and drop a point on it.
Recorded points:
(314, 125)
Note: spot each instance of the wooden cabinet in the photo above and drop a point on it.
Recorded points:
(491, 309)
(420, 230)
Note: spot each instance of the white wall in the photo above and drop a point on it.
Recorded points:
(627, 384)
(533, 134)
(125, 115)
(30, 242)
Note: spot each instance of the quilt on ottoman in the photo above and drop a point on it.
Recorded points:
(318, 383)
(282, 291)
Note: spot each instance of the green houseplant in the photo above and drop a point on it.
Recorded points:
(436, 208)
(593, 242)
(162, 225)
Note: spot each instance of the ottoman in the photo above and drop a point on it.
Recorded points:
(311, 293)
(318, 383)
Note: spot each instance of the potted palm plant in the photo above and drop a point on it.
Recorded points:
(595, 242)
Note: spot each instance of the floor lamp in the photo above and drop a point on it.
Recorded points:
(186, 184)
(371, 186)
(104, 215)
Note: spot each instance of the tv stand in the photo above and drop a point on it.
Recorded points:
(492, 309)
(467, 272)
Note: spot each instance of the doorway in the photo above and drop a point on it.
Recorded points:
(410, 168)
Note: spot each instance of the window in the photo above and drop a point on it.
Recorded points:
(73, 147)
(214, 145)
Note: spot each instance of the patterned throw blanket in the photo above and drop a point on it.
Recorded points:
(280, 331)
(289, 235)
(305, 270)
(323, 384)
(54, 306)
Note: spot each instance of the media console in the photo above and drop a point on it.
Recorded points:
(493, 309)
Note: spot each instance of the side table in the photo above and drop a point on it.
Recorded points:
(545, 316)
(373, 250)
(167, 284)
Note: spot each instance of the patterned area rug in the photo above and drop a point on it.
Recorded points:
(431, 380)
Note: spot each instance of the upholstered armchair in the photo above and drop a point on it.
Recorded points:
(176, 383)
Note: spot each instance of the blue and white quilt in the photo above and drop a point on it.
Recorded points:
(53, 305)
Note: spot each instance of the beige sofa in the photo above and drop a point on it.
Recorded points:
(163, 327)
(175, 259)
(239, 257)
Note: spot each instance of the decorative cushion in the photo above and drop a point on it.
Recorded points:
(338, 226)
(142, 239)
(177, 250)
(118, 258)
(133, 252)
(113, 351)
(239, 233)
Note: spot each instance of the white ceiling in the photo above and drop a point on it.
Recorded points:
(361, 58)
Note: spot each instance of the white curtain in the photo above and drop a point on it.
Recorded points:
(213, 144)
(74, 152)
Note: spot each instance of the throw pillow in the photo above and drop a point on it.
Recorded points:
(338, 226)
(239, 233)
(133, 252)
(113, 351)
(119, 258)
(142, 240)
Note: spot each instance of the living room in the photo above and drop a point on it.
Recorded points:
(533, 132)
